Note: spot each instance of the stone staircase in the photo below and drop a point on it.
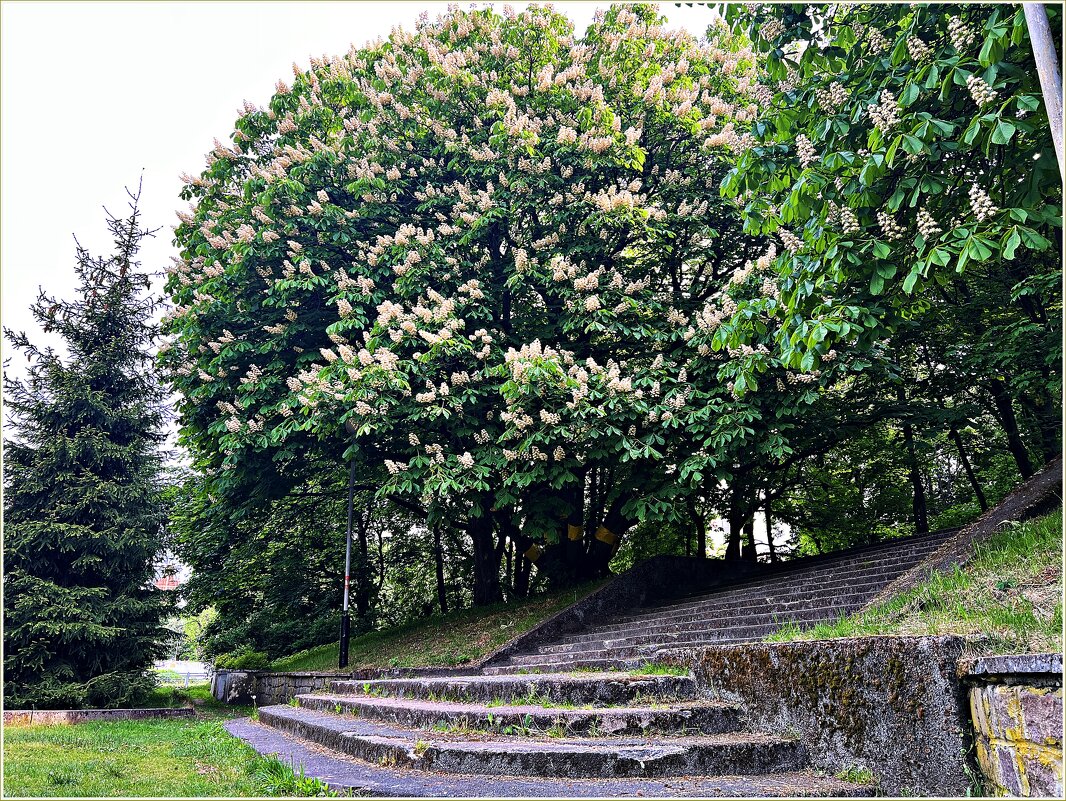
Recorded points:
(801, 593)
(545, 735)
(528, 728)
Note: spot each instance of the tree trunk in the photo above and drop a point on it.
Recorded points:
(736, 524)
(1009, 422)
(522, 572)
(573, 535)
(701, 529)
(606, 540)
(1046, 414)
(750, 554)
(362, 568)
(438, 559)
(486, 561)
(769, 528)
(957, 439)
(921, 519)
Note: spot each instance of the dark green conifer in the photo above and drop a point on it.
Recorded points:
(83, 522)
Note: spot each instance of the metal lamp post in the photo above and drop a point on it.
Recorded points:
(346, 620)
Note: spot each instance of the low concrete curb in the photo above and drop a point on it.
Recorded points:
(27, 717)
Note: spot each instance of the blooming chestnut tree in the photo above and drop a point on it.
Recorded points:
(902, 151)
(499, 252)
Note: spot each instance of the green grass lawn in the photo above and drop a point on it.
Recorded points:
(1010, 594)
(147, 758)
(442, 640)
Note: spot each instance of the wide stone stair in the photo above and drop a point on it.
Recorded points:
(606, 734)
(800, 593)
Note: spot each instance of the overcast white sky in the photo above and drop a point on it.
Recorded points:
(94, 93)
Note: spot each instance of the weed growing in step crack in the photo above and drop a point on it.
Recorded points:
(558, 729)
(856, 775)
(658, 669)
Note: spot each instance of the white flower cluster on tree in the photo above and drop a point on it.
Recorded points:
(962, 35)
(980, 91)
(981, 203)
(885, 113)
(450, 238)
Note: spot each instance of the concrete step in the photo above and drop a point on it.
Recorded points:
(824, 568)
(761, 596)
(346, 775)
(608, 757)
(726, 613)
(828, 581)
(560, 688)
(698, 630)
(555, 665)
(633, 655)
(699, 717)
(727, 616)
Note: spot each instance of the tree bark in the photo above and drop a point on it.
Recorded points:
(750, 554)
(769, 528)
(1009, 422)
(921, 519)
(736, 524)
(1046, 414)
(607, 538)
(486, 561)
(701, 529)
(957, 439)
(522, 572)
(573, 534)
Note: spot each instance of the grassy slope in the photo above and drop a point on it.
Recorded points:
(1010, 592)
(152, 758)
(441, 640)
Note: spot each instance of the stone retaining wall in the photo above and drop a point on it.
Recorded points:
(26, 717)
(270, 687)
(890, 705)
(1016, 707)
(238, 686)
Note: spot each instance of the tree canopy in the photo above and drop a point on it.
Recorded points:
(494, 246)
(563, 287)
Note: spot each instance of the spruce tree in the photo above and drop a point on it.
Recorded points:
(83, 518)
